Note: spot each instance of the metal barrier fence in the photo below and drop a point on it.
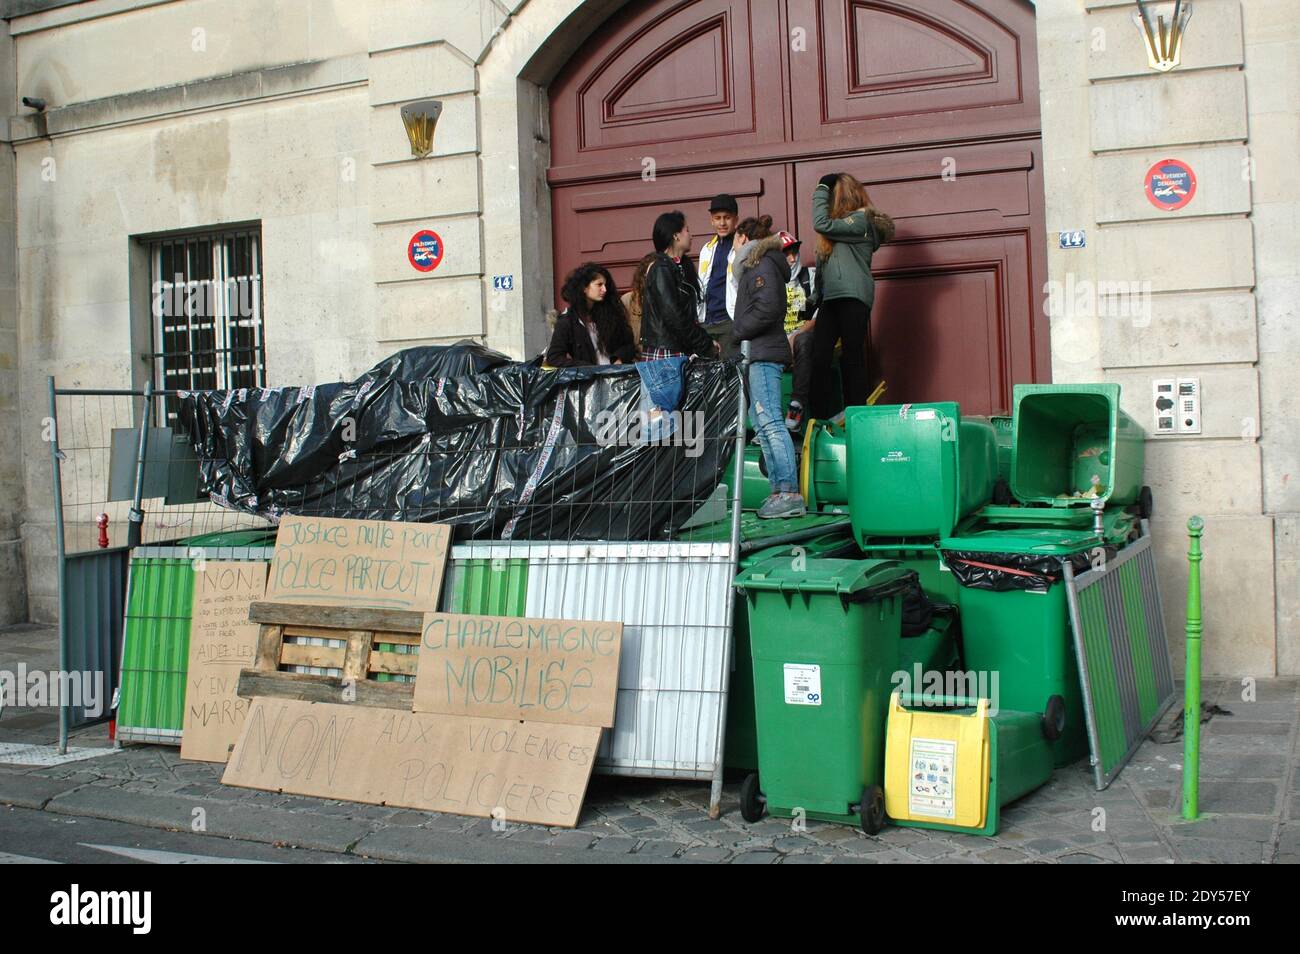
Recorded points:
(1123, 651)
(109, 496)
(671, 590)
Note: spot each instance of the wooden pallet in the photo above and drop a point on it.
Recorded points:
(358, 661)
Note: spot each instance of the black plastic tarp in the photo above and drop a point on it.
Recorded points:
(463, 435)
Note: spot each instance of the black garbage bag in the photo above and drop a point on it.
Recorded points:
(919, 610)
(1015, 571)
(462, 435)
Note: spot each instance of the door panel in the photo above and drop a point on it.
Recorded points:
(950, 321)
(927, 70)
(680, 78)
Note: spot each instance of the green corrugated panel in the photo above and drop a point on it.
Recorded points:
(157, 645)
(1106, 701)
(490, 587)
(1139, 640)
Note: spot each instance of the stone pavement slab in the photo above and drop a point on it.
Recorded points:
(32, 791)
(225, 819)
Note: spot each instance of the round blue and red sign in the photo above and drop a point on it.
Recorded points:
(1170, 184)
(425, 250)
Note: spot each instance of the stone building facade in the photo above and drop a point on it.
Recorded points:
(162, 118)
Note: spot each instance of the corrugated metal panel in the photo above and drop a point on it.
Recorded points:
(1123, 654)
(672, 599)
(151, 706)
(151, 702)
(495, 587)
(96, 590)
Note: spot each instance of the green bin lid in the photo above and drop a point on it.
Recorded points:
(860, 580)
(834, 543)
(1049, 541)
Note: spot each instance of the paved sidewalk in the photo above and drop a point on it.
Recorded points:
(1250, 796)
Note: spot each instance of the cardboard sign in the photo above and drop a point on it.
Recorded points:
(551, 670)
(222, 642)
(491, 768)
(375, 563)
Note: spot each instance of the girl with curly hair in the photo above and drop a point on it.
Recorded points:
(594, 328)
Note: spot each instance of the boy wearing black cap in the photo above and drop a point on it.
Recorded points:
(717, 284)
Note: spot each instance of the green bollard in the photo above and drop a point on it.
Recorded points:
(1192, 676)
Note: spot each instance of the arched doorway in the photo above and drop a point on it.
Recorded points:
(933, 104)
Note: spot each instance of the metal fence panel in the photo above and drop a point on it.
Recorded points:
(672, 599)
(94, 532)
(1123, 652)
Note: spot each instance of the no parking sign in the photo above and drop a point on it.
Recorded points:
(1170, 184)
(425, 250)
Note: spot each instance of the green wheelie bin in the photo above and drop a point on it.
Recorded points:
(1072, 439)
(742, 736)
(825, 643)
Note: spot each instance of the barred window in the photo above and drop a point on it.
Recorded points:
(207, 312)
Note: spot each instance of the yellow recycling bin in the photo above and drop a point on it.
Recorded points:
(950, 765)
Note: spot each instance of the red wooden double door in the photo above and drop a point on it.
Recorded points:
(933, 104)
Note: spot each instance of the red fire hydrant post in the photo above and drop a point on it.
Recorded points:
(102, 523)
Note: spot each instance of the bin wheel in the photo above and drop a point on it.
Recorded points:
(871, 810)
(1145, 503)
(1054, 719)
(752, 803)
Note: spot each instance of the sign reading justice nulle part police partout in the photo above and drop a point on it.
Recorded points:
(374, 563)
(547, 670)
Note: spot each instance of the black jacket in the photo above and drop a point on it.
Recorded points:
(571, 343)
(761, 273)
(668, 313)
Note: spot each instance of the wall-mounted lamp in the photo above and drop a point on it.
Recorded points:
(1164, 43)
(420, 119)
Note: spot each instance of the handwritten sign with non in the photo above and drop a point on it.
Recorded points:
(375, 563)
(222, 642)
(550, 670)
(490, 768)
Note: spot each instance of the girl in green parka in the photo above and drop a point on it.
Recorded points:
(849, 230)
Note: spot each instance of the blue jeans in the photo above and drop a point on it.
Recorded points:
(662, 386)
(769, 421)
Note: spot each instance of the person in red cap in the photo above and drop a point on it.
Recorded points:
(799, 310)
